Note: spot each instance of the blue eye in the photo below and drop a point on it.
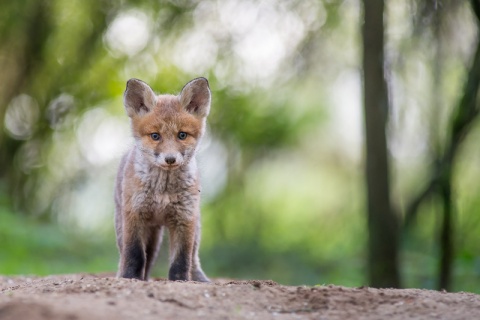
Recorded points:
(182, 135)
(155, 136)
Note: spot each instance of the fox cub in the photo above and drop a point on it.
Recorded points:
(157, 183)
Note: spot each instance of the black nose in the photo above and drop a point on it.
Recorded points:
(170, 160)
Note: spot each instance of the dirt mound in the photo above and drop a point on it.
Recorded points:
(76, 297)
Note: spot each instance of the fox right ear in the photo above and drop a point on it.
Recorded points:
(139, 98)
(195, 97)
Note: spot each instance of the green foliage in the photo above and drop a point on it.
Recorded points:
(33, 247)
(260, 120)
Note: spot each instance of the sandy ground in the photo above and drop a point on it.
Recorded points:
(105, 297)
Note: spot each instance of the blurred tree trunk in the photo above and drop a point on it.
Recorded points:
(21, 60)
(382, 222)
(446, 235)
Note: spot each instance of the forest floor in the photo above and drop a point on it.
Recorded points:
(82, 296)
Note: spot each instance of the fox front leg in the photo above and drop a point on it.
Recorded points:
(181, 248)
(132, 257)
(197, 272)
(133, 261)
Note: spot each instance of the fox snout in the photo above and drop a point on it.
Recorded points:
(169, 160)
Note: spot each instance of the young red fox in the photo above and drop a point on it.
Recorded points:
(157, 182)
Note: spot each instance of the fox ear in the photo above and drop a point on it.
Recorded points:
(139, 98)
(195, 97)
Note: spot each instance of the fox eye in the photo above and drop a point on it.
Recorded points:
(155, 136)
(182, 135)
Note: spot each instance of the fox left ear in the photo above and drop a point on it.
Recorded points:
(195, 97)
(138, 98)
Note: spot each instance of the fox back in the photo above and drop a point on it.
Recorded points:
(157, 183)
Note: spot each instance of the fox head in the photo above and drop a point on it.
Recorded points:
(167, 128)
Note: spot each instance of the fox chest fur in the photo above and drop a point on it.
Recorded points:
(160, 196)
